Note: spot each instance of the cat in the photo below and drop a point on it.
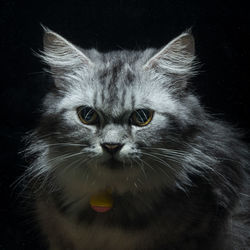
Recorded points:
(124, 129)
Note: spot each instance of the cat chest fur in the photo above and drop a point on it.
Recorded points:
(130, 225)
(64, 234)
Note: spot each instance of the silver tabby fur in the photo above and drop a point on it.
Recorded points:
(183, 180)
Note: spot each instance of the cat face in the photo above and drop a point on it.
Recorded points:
(125, 112)
(114, 110)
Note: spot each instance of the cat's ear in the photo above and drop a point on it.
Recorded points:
(60, 54)
(176, 59)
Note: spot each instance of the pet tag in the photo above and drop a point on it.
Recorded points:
(101, 202)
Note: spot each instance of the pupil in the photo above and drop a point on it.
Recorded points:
(87, 113)
(142, 115)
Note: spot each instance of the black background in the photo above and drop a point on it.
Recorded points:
(222, 38)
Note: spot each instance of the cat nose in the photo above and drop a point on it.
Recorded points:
(112, 148)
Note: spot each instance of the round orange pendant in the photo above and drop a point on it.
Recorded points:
(102, 201)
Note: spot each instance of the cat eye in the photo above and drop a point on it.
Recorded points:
(87, 115)
(141, 117)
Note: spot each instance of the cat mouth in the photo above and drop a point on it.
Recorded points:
(113, 163)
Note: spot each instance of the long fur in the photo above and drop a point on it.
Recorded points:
(183, 179)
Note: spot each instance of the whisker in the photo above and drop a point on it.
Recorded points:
(159, 160)
(144, 162)
(43, 174)
(141, 167)
(169, 157)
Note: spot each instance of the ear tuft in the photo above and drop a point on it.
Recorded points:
(60, 54)
(176, 58)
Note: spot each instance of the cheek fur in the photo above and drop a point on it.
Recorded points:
(128, 151)
(151, 133)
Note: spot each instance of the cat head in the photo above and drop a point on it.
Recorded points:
(122, 114)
